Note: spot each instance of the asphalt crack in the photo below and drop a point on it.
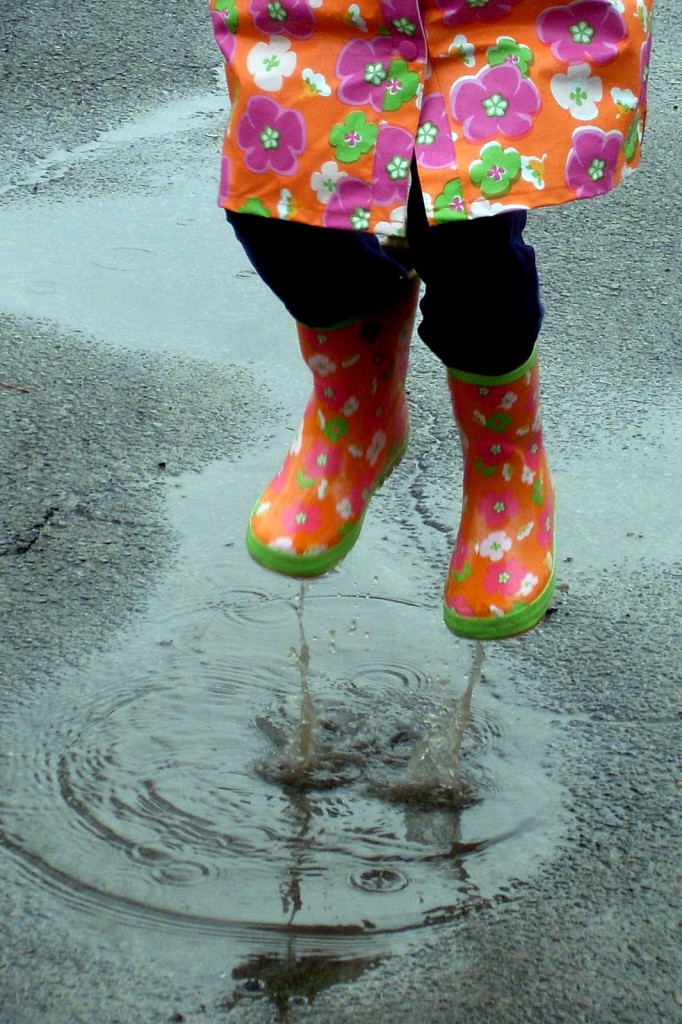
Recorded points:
(23, 543)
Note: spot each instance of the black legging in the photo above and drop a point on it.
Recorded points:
(481, 309)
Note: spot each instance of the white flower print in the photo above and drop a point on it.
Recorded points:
(533, 170)
(321, 364)
(507, 472)
(395, 227)
(624, 99)
(284, 204)
(528, 583)
(316, 82)
(344, 508)
(262, 508)
(282, 543)
(270, 63)
(324, 181)
(428, 204)
(643, 14)
(495, 545)
(351, 406)
(525, 531)
(297, 441)
(498, 612)
(467, 51)
(527, 475)
(479, 417)
(376, 445)
(508, 400)
(322, 489)
(356, 451)
(484, 208)
(578, 91)
(355, 17)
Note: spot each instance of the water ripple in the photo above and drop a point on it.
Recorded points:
(160, 787)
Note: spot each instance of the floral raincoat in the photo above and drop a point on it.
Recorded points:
(506, 104)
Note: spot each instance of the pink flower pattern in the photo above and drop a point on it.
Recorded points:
(592, 161)
(225, 175)
(498, 507)
(352, 200)
(463, 607)
(504, 578)
(402, 20)
(645, 59)
(436, 149)
(470, 83)
(587, 30)
(498, 100)
(362, 68)
(223, 36)
(301, 518)
(392, 164)
(459, 12)
(322, 460)
(282, 18)
(271, 137)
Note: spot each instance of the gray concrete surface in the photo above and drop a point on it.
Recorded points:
(146, 350)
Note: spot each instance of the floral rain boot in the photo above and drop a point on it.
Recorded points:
(501, 576)
(354, 432)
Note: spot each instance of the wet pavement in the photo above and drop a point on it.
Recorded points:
(158, 861)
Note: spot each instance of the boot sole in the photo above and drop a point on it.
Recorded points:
(316, 565)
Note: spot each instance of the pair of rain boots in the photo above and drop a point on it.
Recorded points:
(354, 432)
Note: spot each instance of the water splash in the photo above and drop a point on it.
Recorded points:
(302, 758)
(435, 763)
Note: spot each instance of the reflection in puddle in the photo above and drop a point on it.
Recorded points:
(192, 781)
(302, 779)
(289, 980)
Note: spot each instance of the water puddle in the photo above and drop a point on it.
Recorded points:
(262, 761)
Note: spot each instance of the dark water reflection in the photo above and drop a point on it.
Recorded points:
(161, 788)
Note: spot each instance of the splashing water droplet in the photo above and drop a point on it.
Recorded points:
(435, 761)
(302, 745)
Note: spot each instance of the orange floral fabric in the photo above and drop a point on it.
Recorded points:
(506, 104)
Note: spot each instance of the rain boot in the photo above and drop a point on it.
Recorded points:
(501, 576)
(354, 432)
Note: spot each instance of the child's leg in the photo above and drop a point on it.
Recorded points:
(355, 304)
(322, 276)
(481, 316)
(472, 269)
